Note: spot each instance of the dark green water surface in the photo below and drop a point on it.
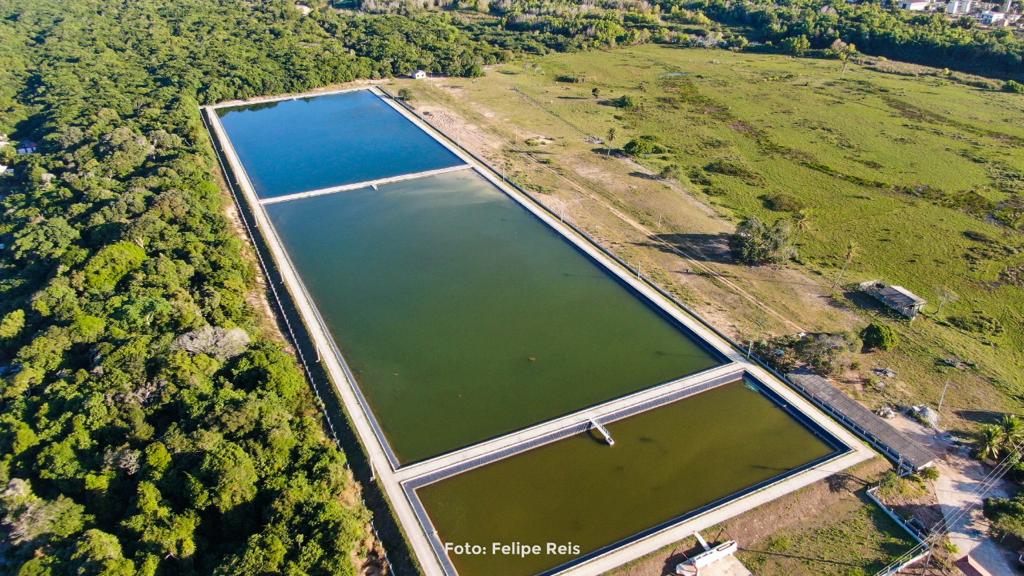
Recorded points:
(665, 463)
(464, 317)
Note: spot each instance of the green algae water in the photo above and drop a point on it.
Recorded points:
(464, 317)
(665, 463)
(304, 144)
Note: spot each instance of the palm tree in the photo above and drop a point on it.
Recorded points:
(990, 442)
(946, 296)
(608, 140)
(848, 257)
(1013, 431)
(802, 221)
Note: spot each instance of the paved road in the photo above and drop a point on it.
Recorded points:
(959, 477)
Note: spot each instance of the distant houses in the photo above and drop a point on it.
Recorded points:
(987, 13)
(896, 298)
(991, 18)
(959, 7)
(915, 5)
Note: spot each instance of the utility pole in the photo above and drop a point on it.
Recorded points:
(942, 397)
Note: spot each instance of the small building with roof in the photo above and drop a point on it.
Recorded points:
(896, 298)
(915, 5)
(991, 18)
(959, 6)
(419, 75)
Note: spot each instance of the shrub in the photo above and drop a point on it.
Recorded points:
(779, 353)
(643, 146)
(670, 172)
(627, 101)
(571, 78)
(877, 336)
(1013, 86)
(796, 45)
(889, 482)
(1006, 514)
(782, 202)
(822, 352)
(727, 167)
(978, 322)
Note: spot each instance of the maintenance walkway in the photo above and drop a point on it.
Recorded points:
(364, 184)
(888, 440)
(574, 423)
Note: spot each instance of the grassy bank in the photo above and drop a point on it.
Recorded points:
(919, 169)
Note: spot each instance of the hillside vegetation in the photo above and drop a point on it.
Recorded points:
(796, 27)
(150, 422)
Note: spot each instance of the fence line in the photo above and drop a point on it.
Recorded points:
(927, 543)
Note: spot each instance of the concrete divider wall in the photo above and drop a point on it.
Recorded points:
(410, 486)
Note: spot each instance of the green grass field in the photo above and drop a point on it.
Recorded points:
(857, 540)
(923, 172)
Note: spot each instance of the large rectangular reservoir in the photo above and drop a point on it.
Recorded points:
(667, 463)
(483, 349)
(461, 315)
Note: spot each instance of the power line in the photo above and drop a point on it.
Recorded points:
(987, 483)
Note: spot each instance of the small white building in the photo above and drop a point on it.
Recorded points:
(915, 5)
(419, 75)
(990, 18)
(27, 147)
(959, 6)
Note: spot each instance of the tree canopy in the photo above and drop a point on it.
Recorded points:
(150, 423)
(756, 242)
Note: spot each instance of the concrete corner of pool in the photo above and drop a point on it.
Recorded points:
(514, 385)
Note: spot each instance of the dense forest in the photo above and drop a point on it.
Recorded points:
(768, 25)
(923, 38)
(151, 422)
